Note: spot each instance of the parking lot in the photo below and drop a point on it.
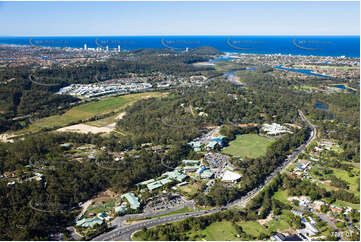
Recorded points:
(205, 138)
(217, 162)
(166, 201)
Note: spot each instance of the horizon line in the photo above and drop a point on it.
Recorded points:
(182, 35)
(159, 35)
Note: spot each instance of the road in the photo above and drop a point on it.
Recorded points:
(122, 232)
(119, 221)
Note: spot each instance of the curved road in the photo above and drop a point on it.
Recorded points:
(124, 232)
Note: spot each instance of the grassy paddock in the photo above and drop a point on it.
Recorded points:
(248, 145)
(281, 196)
(88, 110)
(252, 228)
(215, 232)
(353, 181)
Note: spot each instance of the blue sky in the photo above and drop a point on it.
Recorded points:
(179, 18)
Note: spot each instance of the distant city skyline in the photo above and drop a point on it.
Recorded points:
(178, 18)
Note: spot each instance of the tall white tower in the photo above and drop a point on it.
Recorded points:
(118, 48)
(85, 47)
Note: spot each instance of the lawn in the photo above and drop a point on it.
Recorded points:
(279, 225)
(218, 231)
(190, 189)
(88, 110)
(99, 208)
(252, 228)
(281, 196)
(182, 210)
(340, 203)
(353, 181)
(248, 145)
(305, 87)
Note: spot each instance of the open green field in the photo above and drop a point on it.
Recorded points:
(353, 181)
(252, 228)
(281, 195)
(88, 110)
(190, 189)
(225, 66)
(305, 87)
(341, 204)
(215, 232)
(218, 231)
(282, 222)
(248, 145)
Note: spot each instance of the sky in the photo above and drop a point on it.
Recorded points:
(178, 18)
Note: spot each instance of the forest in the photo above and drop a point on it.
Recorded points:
(22, 97)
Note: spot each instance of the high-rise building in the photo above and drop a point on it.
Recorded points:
(118, 48)
(85, 47)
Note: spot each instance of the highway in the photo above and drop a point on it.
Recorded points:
(122, 232)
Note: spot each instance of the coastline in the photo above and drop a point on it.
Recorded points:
(325, 46)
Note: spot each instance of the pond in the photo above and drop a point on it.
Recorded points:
(343, 87)
(340, 86)
(323, 107)
(222, 58)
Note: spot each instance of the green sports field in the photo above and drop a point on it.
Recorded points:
(248, 145)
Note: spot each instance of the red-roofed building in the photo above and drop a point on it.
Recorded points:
(335, 209)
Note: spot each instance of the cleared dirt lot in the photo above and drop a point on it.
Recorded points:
(84, 129)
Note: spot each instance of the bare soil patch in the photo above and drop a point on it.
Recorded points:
(84, 129)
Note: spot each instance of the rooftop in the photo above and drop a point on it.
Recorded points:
(154, 185)
(187, 162)
(132, 199)
(207, 174)
(89, 222)
(177, 175)
(230, 176)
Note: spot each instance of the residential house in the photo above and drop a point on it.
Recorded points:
(335, 209)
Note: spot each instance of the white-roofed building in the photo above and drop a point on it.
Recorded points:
(230, 176)
(275, 129)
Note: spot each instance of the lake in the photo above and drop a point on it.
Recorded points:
(321, 106)
(303, 71)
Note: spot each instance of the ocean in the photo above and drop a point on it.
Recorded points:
(348, 46)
